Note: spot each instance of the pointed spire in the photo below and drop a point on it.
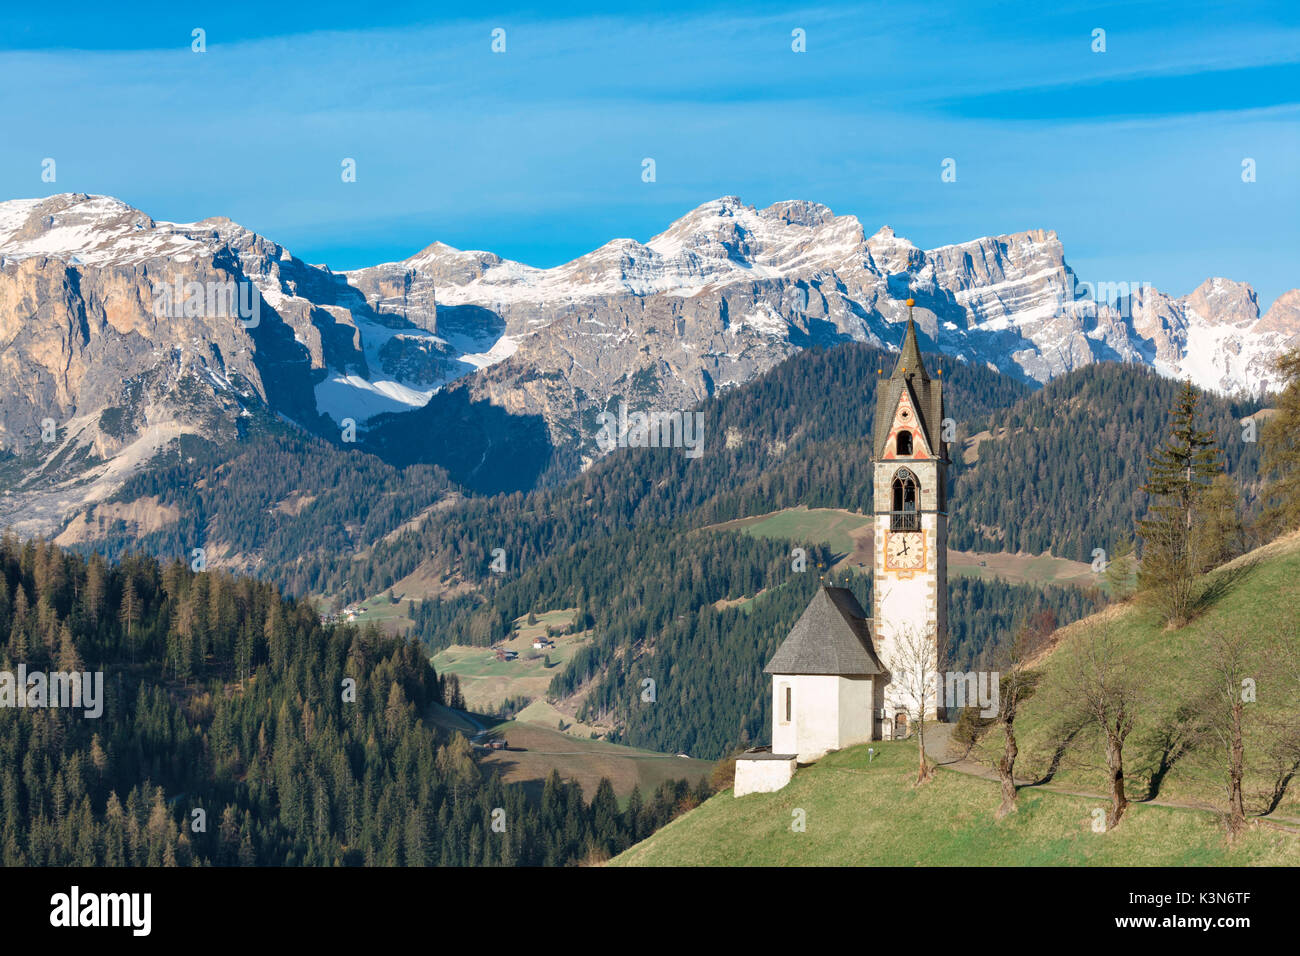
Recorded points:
(909, 358)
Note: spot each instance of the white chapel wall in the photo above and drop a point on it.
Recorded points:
(855, 718)
(814, 727)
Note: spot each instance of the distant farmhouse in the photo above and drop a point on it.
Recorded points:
(841, 678)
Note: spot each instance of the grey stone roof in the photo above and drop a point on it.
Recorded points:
(832, 636)
(927, 396)
(765, 753)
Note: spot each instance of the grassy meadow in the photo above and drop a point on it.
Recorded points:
(859, 811)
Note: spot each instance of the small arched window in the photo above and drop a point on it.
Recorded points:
(904, 442)
(906, 495)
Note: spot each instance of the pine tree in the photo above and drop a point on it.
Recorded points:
(1119, 569)
(632, 815)
(605, 820)
(1188, 460)
(69, 659)
(129, 613)
(18, 627)
(98, 759)
(1178, 473)
(95, 586)
(1281, 439)
(1217, 533)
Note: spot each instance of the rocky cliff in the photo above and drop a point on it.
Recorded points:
(119, 332)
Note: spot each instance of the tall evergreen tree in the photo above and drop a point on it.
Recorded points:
(1178, 473)
(1119, 569)
(1281, 439)
(1218, 535)
(1188, 460)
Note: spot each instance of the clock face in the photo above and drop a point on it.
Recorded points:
(905, 550)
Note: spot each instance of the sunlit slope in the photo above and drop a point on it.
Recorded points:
(862, 812)
(1256, 596)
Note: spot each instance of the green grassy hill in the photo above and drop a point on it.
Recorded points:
(487, 682)
(866, 812)
(1256, 595)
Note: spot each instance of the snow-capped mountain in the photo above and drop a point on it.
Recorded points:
(358, 362)
(728, 290)
(795, 270)
(124, 331)
(118, 333)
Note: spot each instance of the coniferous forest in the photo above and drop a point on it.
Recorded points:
(228, 736)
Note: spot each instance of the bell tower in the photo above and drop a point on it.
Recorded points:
(910, 577)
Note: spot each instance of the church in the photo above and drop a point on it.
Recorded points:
(842, 677)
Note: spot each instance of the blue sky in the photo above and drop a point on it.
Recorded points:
(1133, 155)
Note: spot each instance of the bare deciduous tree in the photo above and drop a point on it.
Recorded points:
(1282, 746)
(1099, 680)
(1225, 666)
(1016, 684)
(915, 677)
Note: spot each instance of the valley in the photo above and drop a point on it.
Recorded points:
(351, 530)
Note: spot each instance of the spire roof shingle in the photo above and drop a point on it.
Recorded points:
(832, 636)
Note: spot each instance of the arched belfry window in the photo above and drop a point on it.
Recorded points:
(907, 492)
(904, 443)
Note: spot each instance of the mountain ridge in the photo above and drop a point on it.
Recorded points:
(519, 357)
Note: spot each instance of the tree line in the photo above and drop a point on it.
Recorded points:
(237, 730)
